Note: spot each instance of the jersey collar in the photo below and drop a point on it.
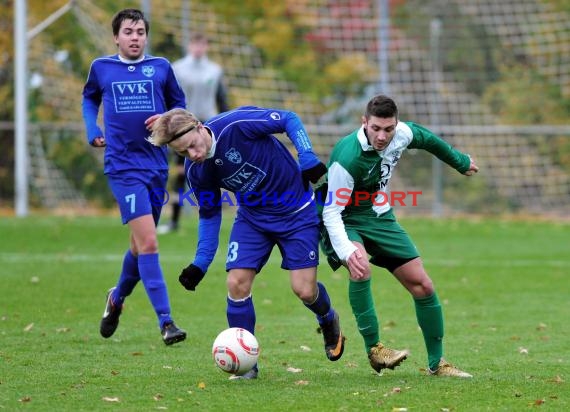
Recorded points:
(363, 140)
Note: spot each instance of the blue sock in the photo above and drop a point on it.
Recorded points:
(153, 281)
(128, 279)
(322, 305)
(241, 314)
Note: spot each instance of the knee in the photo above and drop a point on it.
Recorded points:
(423, 288)
(307, 294)
(237, 287)
(148, 244)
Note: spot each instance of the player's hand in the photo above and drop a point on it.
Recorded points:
(313, 174)
(358, 266)
(190, 276)
(473, 168)
(150, 121)
(98, 142)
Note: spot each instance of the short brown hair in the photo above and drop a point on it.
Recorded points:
(381, 106)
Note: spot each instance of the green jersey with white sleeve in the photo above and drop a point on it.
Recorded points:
(358, 176)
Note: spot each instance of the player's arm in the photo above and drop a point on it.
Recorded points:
(210, 220)
(173, 94)
(90, 109)
(425, 139)
(222, 96)
(340, 187)
(311, 167)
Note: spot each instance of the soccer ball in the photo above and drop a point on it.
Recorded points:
(235, 350)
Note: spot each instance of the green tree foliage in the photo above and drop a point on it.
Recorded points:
(523, 96)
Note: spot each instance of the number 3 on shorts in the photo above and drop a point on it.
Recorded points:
(232, 251)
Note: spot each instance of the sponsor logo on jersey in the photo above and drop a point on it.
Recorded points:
(133, 96)
(245, 179)
(275, 116)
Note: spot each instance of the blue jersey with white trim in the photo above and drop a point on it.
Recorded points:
(251, 162)
(130, 93)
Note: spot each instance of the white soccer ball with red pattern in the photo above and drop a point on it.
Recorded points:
(235, 351)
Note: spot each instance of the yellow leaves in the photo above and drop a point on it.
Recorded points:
(350, 68)
(110, 399)
(201, 385)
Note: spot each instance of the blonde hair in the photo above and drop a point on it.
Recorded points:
(172, 125)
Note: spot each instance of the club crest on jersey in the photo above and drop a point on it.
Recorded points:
(396, 157)
(148, 71)
(275, 116)
(233, 156)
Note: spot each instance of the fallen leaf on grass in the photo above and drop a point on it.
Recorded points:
(556, 379)
(302, 382)
(541, 326)
(399, 409)
(157, 397)
(305, 348)
(137, 354)
(201, 385)
(25, 399)
(539, 402)
(545, 338)
(29, 327)
(62, 330)
(111, 399)
(523, 351)
(294, 370)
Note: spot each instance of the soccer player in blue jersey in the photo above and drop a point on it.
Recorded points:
(134, 89)
(237, 151)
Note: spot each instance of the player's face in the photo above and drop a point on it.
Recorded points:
(195, 145)
(131, 39)
(380, 131)
(198, 48)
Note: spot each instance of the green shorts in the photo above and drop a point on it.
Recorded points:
(386, 242)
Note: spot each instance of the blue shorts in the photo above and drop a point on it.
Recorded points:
(296, 235)
(139, 192)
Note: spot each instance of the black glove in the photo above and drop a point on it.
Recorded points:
(313, 174)
(190, 276)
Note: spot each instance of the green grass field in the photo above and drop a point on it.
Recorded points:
(504, 286)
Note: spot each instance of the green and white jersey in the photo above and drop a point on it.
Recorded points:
(358, 176)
